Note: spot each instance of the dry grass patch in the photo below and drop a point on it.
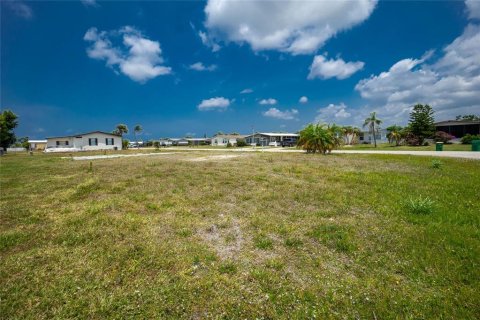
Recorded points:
(261, 235)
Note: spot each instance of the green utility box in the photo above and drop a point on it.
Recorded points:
(476, 145)
(439, 146)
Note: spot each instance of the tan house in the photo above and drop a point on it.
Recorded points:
(38, 145)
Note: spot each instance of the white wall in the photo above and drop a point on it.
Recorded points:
(81, 142)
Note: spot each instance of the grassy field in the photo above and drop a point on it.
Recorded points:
(194, 236)
(392, 147)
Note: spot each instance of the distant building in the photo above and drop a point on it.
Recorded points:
(225, 139)
(367, 136)
(96, 140)
(39, 145)
(274, 139)
(198, 141)
(458, 128)
(178, 141)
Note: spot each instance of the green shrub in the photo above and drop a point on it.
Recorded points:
(241, 143)
(468, 138)
(437, 164)
(229, 145)
(420, 206)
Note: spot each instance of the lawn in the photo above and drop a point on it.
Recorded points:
(392, 147)
(192, 235)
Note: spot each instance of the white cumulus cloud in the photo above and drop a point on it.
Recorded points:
(303, 99)
(334, 113)
(199, 66)
(288, 25)
(333, 68)
(218, 103)
(268, 102)
(284, 115)
(473, 8)
(136, 56)
(451, 85)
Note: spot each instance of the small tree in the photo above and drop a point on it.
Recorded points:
(125, 143)
(421, 122)
(156, 144)
(320, 138)
(373, 124)
(350, 134)
(136, 130)
(23, 143)
(8, 122)
(394, 134)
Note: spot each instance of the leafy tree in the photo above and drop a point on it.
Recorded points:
(468, 117)
(395, 133)
(8, 122)
(219, 133)
(421, 123)
(137, 129)
(320, 138)
(23, 143)
(156, 144)
(120, 129)
(373, 124)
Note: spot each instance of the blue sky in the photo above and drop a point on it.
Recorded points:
(198, 67)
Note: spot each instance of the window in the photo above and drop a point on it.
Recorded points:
(92, 141)
(109, 141)
(61, 143)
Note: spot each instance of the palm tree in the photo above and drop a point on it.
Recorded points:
(350, 134)
(394, 134)
(320, 137)
(120, 129)
(373, 123)
(137, 129)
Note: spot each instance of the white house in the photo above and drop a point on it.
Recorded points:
(274, 139)
(224, 139)
(366, 137)
(96, 140)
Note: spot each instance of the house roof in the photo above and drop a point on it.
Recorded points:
(84, 134)
(456, 122)
(276, 134)
(198, 139)
(37, 141)
(230, 136)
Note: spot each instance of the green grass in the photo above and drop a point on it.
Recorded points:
(392, 147)
(257, 236)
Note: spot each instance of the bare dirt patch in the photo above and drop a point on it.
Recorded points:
(225, 237)
(215, 157)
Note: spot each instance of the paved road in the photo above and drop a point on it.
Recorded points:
(446, 154)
